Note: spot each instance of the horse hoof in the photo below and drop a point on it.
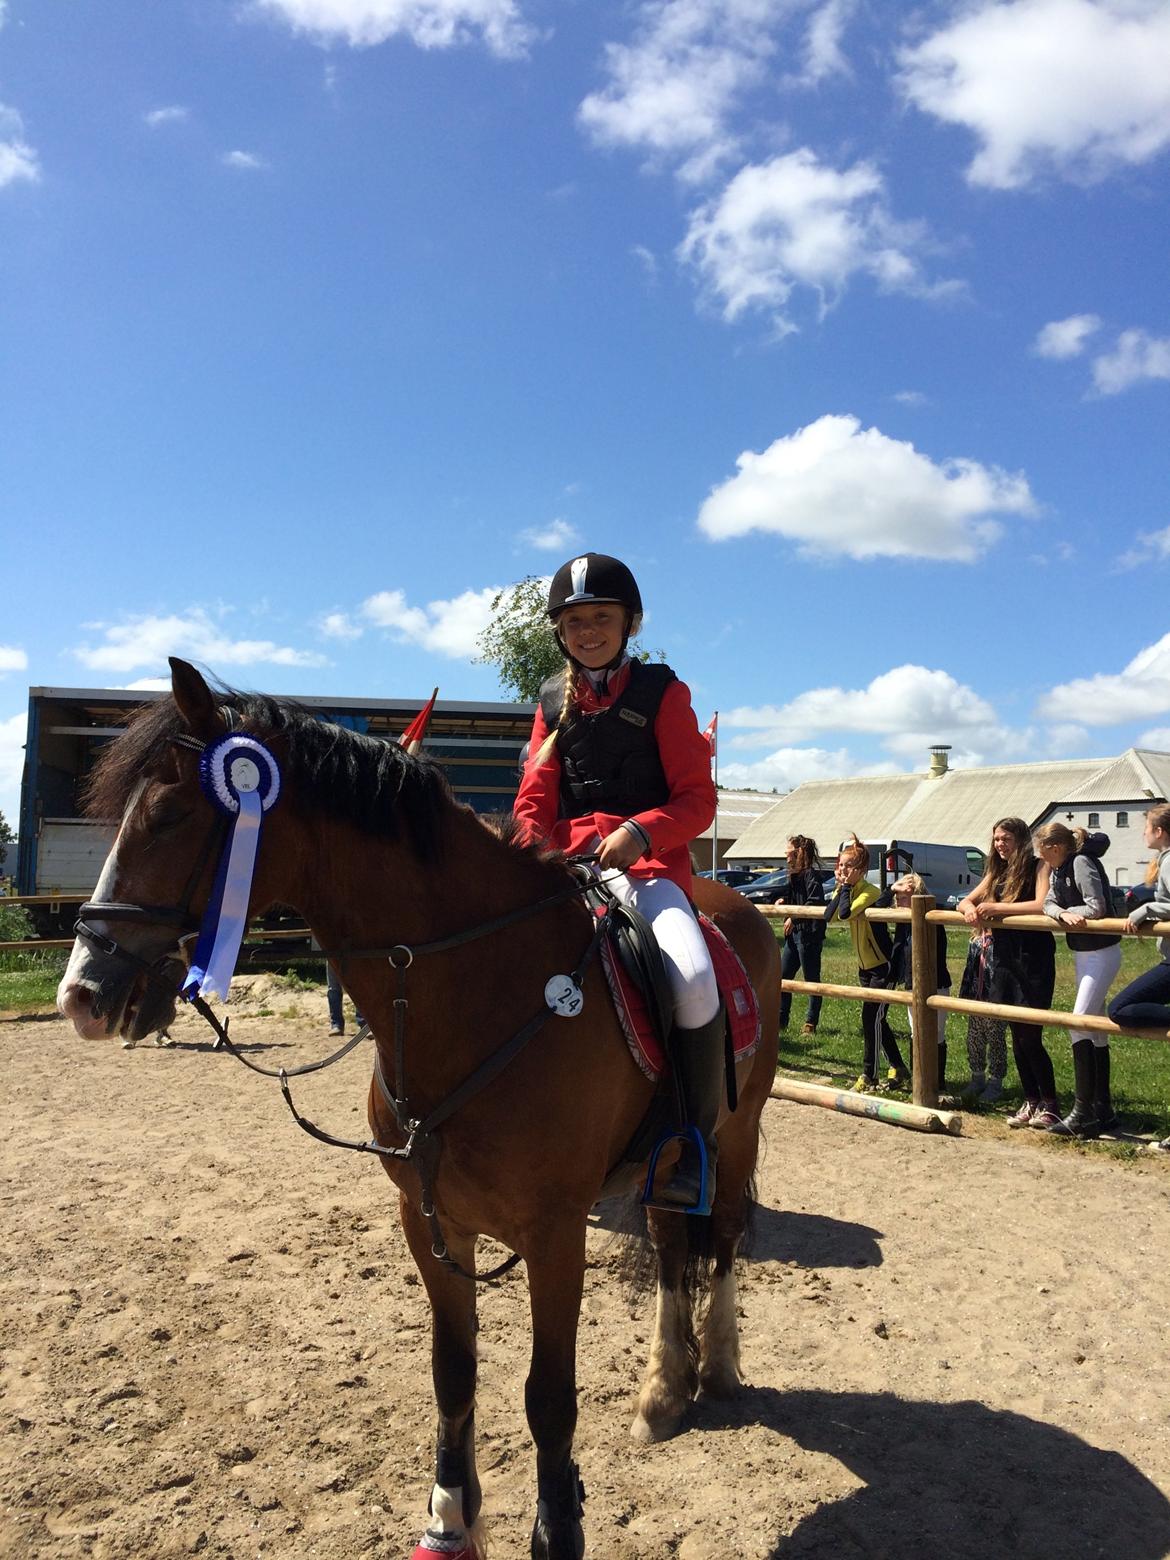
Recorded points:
(720, 1384)
(646, 1431)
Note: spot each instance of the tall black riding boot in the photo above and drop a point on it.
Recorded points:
(1081, 1121)
(1106, 1116)
(699, 1059)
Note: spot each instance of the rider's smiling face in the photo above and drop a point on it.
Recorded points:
(593, 634)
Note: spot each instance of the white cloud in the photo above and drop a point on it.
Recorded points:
(648, 260)
(673, 89)
(822, 42)
(1150, 547)
(911, 398)
(12, 737)
(1065, 338)
(431, 24)
(171, 114)
(17, 158)
(909, 707)
(1137, 356)
(148, 640)
(795, 222)
(148, 685)
(789, 767)
(12, 659)
(558, 535)
(451, 628)
(835, 489)
(339, 625)
(1140, 690)
(1157, 739)
(1079, 87)
(249, 161)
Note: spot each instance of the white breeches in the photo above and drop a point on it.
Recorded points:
(688, 965)
(1096, 971)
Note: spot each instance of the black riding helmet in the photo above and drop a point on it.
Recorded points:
(594, 578)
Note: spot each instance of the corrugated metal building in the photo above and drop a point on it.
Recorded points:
(959, 806)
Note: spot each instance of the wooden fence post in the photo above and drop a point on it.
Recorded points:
(924, 983)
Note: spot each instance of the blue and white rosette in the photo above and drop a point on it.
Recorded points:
(242, 778)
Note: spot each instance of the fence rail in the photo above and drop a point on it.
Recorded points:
(922, 1000)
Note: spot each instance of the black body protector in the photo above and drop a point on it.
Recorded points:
(609, 760)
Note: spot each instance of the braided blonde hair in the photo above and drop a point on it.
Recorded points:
(569, 676)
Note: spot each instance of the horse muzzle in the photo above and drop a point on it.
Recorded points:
(107, 993)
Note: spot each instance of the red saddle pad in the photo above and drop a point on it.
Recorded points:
(739, 998)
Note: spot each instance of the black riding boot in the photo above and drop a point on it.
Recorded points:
(699, 1060)
(1106, 1116)
(1081, 1121)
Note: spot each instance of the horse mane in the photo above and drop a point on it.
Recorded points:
(375, 785)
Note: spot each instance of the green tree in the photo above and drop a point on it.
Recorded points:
(7, 835)
(519, 640)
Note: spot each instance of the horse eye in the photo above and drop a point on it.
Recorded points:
(169, 816)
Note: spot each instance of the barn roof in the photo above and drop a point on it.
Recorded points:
(954, 808)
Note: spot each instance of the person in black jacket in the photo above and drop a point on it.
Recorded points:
(899, 895)
(803, 940)
(1078, 892)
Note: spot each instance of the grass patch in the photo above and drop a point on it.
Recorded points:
(1141, 1068)
(29, 978)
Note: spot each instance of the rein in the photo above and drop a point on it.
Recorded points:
(422, 1145)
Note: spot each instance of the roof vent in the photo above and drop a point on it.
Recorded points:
(938, 759)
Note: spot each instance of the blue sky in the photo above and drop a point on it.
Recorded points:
(845, 324)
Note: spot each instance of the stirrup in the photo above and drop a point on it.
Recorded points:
(702, 1206)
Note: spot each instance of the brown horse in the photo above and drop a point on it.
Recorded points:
(367, 843)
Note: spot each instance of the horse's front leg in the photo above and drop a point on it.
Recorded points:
(454, 1530)
(671, 1380)
(556, 1274)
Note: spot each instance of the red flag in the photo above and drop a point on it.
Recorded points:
(412, 738)
(711, 733)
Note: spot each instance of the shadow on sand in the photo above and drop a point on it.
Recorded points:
(958, 1480)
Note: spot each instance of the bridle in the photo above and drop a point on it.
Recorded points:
(420, 1131)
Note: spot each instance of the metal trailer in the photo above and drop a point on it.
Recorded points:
(61, 851)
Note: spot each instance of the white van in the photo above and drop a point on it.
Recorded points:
(949, 871)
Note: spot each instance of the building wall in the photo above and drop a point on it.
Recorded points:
(1125, 860)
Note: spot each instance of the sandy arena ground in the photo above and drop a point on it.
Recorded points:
(214, 1341)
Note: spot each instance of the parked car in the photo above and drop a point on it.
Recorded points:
(767, 890)
(736, 877)
(1139, 894)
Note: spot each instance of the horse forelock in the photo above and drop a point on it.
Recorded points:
(375, 785)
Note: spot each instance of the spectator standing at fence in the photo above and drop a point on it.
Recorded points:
(900, 894)
(871, 945)
(1018, 968)
(1079, 892)
(1145, 1002)
(803, 940)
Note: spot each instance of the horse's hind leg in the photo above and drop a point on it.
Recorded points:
(670, 1375)
(454, 1529)
(556, 1275)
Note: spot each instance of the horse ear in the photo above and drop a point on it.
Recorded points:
(194, 698)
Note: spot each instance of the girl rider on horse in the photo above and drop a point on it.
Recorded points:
(618, 766)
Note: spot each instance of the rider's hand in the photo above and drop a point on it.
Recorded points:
(619, 850)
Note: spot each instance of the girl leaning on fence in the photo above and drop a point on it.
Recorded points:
(900, 895)
(1078, 892)
(1014, 967)
(803, 940)
(871, 945)
(1145, 1002)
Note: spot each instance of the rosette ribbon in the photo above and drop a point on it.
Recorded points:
(242, 779)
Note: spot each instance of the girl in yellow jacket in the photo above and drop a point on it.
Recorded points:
(871, 945)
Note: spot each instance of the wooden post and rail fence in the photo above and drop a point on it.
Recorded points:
(921, 1000)
(924, 1003)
